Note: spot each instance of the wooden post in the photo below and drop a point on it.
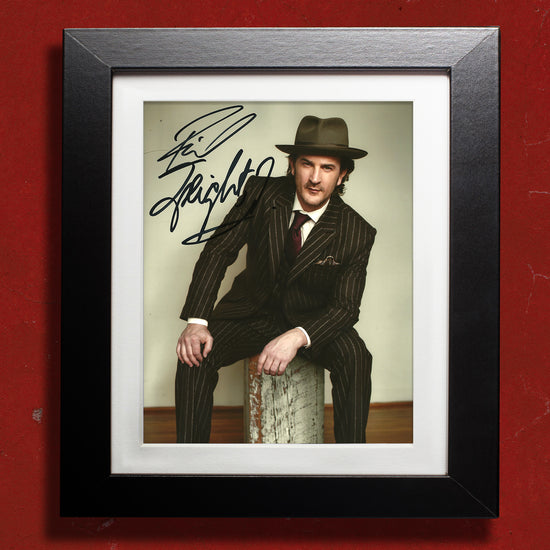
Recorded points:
(287, 408)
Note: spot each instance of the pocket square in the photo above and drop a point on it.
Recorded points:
(329, 260)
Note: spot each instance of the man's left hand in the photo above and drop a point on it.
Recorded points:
(276, 355)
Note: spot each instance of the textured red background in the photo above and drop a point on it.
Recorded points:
(30, 153)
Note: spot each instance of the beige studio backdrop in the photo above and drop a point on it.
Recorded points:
(380, 189)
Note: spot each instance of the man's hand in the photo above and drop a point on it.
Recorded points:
(276, 355)
(189, 344)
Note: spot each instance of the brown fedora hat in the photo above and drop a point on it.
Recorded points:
(322, 136)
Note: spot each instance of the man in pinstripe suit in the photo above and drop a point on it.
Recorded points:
(299, 293)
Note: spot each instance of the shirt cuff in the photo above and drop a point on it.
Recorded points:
(308, 345)
(196, 321)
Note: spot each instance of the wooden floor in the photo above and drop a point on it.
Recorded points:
(388, 423)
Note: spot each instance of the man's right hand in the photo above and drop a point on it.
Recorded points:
(189, 344)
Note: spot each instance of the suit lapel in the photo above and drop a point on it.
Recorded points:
(281, 209)
(318, 239)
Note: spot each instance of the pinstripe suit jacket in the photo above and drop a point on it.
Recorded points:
(323, 299)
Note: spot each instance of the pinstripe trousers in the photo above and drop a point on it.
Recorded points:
(346, 357)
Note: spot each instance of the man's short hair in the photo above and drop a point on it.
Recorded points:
(345, 164)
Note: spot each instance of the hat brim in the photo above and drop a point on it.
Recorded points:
(328, 150)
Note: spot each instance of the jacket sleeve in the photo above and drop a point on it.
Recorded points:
(342, 310)
(221, 251)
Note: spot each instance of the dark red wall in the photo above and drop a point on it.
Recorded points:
(30, 156)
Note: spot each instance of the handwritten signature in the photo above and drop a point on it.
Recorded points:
(197, 140)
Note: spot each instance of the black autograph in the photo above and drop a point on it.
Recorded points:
(197, 140)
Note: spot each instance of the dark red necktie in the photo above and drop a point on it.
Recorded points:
(294, 240)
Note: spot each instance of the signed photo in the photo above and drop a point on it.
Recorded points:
(205, 160)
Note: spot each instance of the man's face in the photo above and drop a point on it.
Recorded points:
(316, 178)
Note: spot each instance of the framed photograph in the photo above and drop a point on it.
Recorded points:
(162, 130)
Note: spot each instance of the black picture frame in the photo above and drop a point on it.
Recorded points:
(471, 58)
